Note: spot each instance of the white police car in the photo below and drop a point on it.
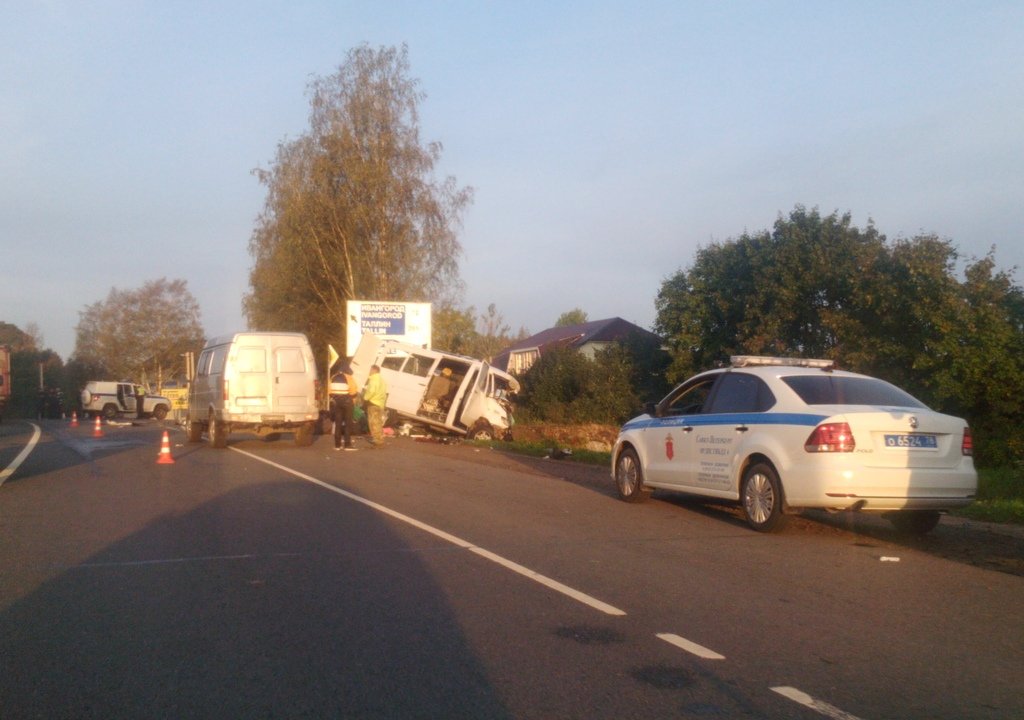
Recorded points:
(778, 435)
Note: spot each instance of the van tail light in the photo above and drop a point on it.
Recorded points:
(224, 389)
(967, 444)
(830, 437)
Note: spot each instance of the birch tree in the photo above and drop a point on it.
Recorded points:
(353, 210)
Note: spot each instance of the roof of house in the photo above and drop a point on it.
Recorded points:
(608, 330)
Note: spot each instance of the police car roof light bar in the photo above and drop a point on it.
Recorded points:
(762, 360)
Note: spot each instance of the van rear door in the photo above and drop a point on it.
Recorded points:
(291, 388)
(247, 387)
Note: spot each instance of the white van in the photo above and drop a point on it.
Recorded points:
(262, 382)
(443, 391)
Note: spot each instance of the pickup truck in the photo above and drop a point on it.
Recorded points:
(110, 399)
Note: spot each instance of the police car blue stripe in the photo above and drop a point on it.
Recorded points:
(802, 419)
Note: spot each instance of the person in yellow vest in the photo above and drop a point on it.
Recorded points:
(375, 395)
(343, 394)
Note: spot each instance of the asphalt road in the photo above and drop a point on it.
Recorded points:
(448, 581)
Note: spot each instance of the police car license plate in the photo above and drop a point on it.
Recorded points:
(927, 442)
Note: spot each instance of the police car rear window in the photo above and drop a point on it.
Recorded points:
(833, 390)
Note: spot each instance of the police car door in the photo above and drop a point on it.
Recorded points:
(668, 437)
(126, 397)
(739, 400)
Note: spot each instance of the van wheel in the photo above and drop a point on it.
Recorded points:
(304, 435)
(109, 411)
(481, 430)
(160, 412)
(194, 430)
(218, 433)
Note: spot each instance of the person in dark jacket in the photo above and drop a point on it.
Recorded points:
(343, 392)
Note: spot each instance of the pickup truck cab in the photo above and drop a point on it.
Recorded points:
(448, 393)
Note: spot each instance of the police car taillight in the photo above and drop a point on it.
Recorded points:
(967, 444)
(830, 437)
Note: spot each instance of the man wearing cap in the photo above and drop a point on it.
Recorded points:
(343, 392)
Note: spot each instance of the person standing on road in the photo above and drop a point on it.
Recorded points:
(375, 395)
(140, 398)
(343, 393)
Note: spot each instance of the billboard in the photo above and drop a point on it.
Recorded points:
(404, 321)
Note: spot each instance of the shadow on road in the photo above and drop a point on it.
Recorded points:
(254, 602)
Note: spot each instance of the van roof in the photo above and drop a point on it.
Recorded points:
(225, 339)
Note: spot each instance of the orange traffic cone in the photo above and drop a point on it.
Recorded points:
(74, 419)
(97, 430)
(165, 457)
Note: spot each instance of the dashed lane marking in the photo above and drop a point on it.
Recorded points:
(690, 647)
(798, 696)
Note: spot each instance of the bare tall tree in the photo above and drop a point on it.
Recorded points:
(352, 208)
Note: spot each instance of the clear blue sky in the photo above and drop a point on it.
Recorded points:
(606, 141)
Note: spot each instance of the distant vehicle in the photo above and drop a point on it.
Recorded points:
(778, 435)
(445, 392)
(5, 378)
(110, 399)
(261, 382)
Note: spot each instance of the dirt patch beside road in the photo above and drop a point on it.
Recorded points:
(571, 436)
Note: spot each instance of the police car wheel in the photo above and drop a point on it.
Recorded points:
(629, 477)
(761, 496)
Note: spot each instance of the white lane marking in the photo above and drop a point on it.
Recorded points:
(690, 647)
(798, 696)
(553, 584)
(448, 537)
(9, 470)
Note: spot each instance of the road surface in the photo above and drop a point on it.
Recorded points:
(453, 581)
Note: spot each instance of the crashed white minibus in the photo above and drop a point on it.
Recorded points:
(443, 391)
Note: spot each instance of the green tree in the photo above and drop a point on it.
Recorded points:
(352, 208)
(819, 287)
(576, 316)
(137, 334)
(454, 330)
(800, 289)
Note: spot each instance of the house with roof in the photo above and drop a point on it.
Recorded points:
(588, 338)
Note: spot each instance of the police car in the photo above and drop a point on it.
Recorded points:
(778, 435)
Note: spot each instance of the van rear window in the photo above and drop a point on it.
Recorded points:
(833, 390)
(290, 360)
(251, 360)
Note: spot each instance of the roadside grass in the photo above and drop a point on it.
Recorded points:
(1000, 497)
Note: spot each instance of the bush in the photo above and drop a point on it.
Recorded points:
(564, 386)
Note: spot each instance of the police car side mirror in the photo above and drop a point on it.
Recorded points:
(651, 409)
